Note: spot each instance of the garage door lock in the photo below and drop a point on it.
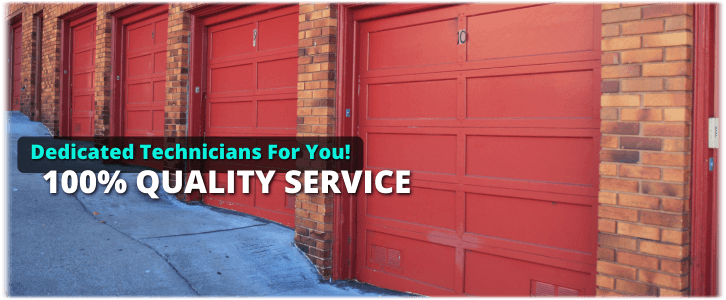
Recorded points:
(462, 37)
(254, 37)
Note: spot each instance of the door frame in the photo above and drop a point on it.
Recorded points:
(345, 214)
(119, 19)
(81, 14)
(704, 197)
(15, 19)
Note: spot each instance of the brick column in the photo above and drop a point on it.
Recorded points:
(177, 72)
(645, 160)
(103, 69)
(316, 116)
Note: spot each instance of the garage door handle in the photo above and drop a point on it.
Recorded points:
(461, 37)
(254, 37)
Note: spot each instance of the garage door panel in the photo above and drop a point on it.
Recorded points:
(83, 59)
(232, 79)
(277, 113)
(413, 45)
(491, 275)
(82, 125)
(548, 95)
(140, 37)
(530, 31)
(82, 81)
(141, 65)
(83, 36)
(279, 31)
(422, 261)
(412, 100)
(139, 93)
(424, 153)
(276, 199)
(544, 223)
(83, 102)
(229, 39)
(276, 74)
(231, 114)
(424, 205)
(138, 120)
(562, 160)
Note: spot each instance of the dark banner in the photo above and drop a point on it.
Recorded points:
(221, 154)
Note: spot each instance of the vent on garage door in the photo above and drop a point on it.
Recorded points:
(545, 289)
(386, 256)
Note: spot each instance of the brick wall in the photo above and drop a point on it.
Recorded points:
(316, 116)
(645, 158)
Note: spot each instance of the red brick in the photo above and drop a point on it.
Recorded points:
(639, 56)
(663, 219)
(637, 114)
(674, 236)
(641, 27)
(619, 128)
(639, 172)
(667, 69)
(633, 230)
(616, 270)
(669, 99)
(605, 254)
(606, 282)
(638, 143)
(616, 241)
(609, 58)
(641, 85)
(620, 100)
(671, 130)
(665, 189)
(668, 39)
(618, 185)
(606, 226)
(621, 43)
(621, 156)
(637, 260)
(616, 213)
(666, 10)
(620, 15)
(610, 30)
(675, 267)
(636, 288)
(665, 280)
(665, 250)
(620, 71)
(638, 201)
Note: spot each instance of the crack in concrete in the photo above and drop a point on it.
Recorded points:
(205, 232)
(145, 244)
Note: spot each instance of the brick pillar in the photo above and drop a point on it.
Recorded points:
(645, 160)
(103, 69)
(177, 72)
(316, 116)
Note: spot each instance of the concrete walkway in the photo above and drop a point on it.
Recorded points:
(118, 245)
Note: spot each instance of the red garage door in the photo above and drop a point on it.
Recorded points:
(16, 64)
(251, 81)
(83, 67)
(501, 135)
(144, 63)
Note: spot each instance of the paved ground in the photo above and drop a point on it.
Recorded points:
(104, 245)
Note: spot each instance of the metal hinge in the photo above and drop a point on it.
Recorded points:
(713, 133)
(254, 37)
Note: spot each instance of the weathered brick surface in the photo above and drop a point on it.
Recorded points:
(316, 116)
(643, 220)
